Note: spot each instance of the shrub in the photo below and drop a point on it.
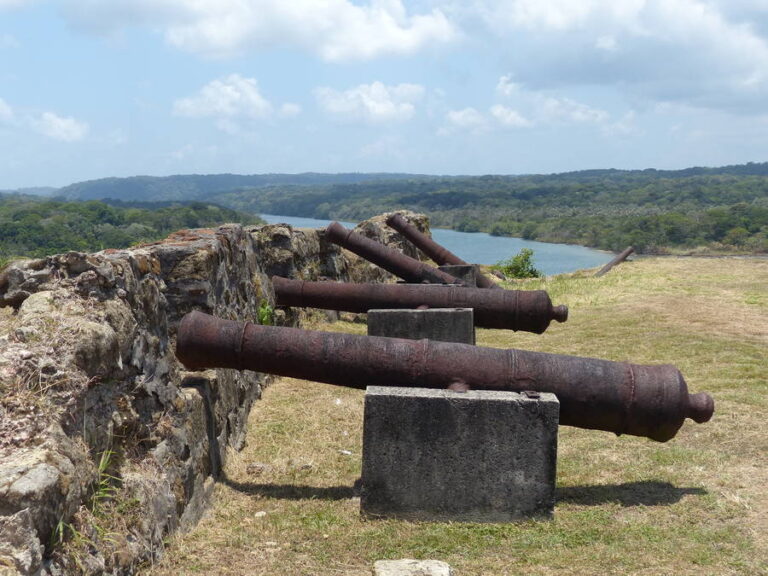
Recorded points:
(519, 266)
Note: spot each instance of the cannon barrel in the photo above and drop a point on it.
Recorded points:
(432, 249)
(527, 310)
(616, 261)
(651, 401)
(397, 263)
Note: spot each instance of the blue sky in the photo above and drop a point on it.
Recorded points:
(96, 88)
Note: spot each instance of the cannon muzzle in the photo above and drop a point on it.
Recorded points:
(650, 401)
(527, 310)
(402, 266)
(432, 249)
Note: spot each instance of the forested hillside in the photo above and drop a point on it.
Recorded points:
(655, 210)
(30, 227)
(201, 186)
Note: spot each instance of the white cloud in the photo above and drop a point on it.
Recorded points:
(469, 119)
(607, 43)
(63, 128)
(333, 29)
(541, 107)
(375, 102)
(534, 14)
(6, 112)
(227, 98)
(553, 109)
(624, 127)
(290, 110)
(524, 108)
(506, 87)
(509, 117)
(705, 53)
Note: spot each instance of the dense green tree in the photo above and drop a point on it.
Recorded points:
(30, 227)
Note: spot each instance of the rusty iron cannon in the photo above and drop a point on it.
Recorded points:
(402, 266)
(432, 249)
(650, 401)
(527, 310)
(626, 253)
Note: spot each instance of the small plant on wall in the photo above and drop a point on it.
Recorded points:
(266, 313)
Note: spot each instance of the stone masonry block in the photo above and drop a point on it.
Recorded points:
(476, 456)
(444, 324)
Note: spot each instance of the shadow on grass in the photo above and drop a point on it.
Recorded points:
(646, 493)
(292, 491)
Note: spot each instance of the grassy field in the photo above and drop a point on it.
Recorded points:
(695, 505)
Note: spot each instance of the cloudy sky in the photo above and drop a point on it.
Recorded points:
(95, 88)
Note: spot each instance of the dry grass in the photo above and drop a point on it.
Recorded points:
(30, 375)
(695, 505)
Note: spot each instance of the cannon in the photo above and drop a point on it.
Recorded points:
(432, 249)
(527, 310)
(391, 260)
(650, 401)
(626, 253)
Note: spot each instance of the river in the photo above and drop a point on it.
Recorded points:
(481, 248)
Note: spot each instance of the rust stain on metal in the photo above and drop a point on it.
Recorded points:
(388, 258)
(593, 393)
(432, 249)
(527, 310)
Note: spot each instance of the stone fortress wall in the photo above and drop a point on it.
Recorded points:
(90, 390)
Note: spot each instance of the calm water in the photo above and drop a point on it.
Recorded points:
(480, 248)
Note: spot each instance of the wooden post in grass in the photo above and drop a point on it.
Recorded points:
(618, 260)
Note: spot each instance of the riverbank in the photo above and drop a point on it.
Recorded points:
(699, 251)
(482, 248)
(550, 257)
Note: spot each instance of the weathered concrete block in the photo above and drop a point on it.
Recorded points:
(467, 273)
(444, 324)
(477, 456)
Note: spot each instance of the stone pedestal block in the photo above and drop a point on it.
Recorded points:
(444, 324)
(476, 456)
(467, 273)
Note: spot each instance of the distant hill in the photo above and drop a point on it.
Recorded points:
(36, 191)
(188, 187)
(654, 210)
(204, 186)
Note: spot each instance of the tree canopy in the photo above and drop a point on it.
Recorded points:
(31, 227)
